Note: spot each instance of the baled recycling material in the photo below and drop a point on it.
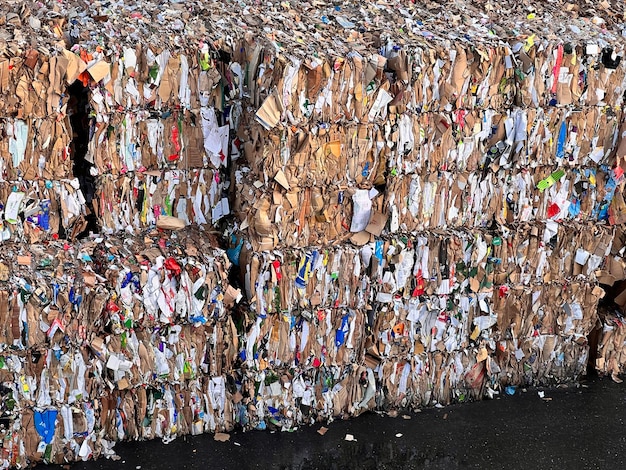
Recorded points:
(262, 215)
(109, 333)
(611, 359)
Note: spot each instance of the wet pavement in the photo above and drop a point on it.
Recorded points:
(579, 427)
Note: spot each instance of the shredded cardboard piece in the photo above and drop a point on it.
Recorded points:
(221, 437)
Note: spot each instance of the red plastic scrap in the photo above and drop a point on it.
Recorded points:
(172, 265)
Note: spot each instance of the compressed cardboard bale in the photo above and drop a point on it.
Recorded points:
(102, 319)
(611, 359)
(418, 326)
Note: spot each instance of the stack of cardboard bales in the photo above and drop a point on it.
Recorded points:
(127, 334)
(419, 200)
(153, 140)
(424, 212)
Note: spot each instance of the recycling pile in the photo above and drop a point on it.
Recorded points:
(432, 208)
(418, 202)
